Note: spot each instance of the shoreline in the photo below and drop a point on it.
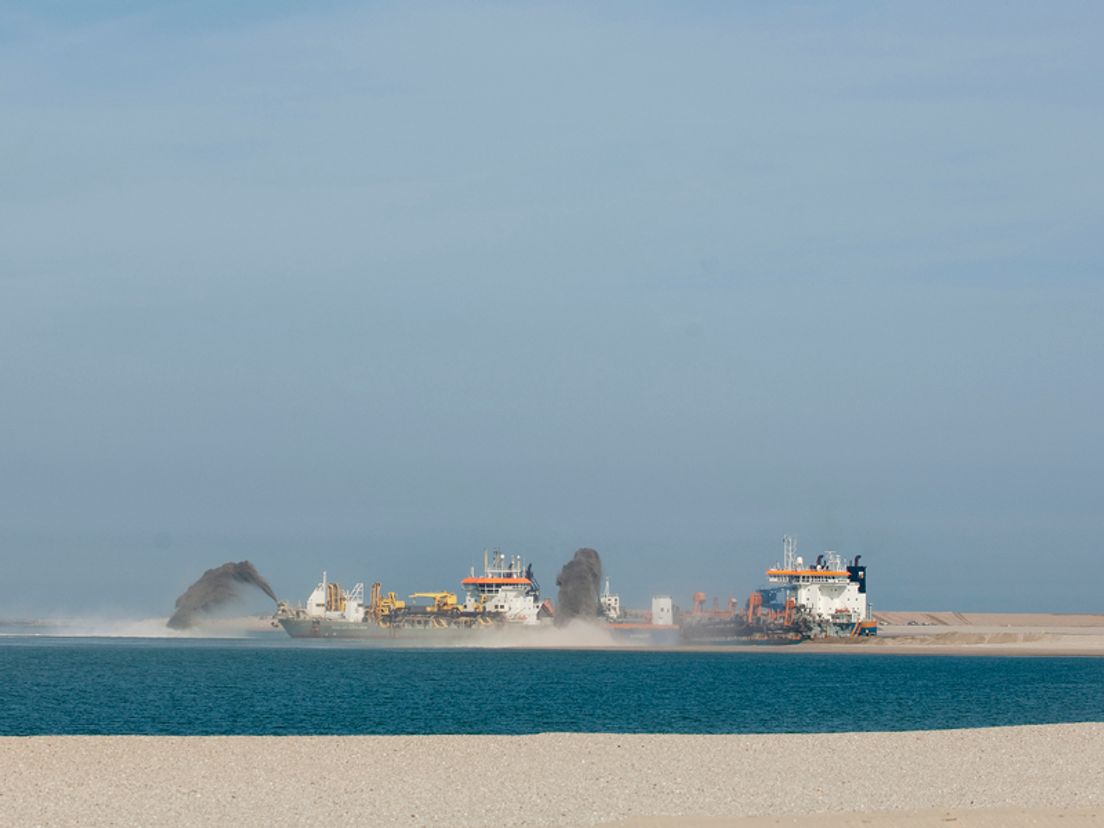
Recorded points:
(1037, 635)
(817, 647)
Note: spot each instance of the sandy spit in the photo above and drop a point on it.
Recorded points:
(552, 779)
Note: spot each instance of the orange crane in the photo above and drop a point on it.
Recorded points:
(698, 603)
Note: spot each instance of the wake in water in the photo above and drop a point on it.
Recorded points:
(245, 626)
(573, 635)
(215, 588)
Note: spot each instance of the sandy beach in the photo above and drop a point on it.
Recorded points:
(1024, 773)
(961, 633)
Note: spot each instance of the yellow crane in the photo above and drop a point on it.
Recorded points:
(442, 601)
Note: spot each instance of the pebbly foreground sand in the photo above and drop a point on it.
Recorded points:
(1038, 775)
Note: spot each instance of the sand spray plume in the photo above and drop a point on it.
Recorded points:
(579, 587)
(214, 588)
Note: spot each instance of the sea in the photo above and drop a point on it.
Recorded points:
(258, 687)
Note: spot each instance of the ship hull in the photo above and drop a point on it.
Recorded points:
(368, 631)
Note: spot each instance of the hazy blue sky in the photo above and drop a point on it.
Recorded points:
(372, 287)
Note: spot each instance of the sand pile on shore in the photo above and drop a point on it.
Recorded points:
(564, 779)
(979, 634)
(990, 619)
(948, 638)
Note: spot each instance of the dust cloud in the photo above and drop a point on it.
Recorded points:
(579, 582)
(215, 588)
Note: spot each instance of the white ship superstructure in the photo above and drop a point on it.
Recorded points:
(829, 591)
(611, 603)
(506, 589)
(330, 601)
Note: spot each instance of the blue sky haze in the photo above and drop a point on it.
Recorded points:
(370, 287)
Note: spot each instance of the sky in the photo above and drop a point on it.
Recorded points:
(372, 287)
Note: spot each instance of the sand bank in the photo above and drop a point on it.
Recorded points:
(956, 633)
(1019, 620)
(551, 779)
(974, 642)
(952, 633)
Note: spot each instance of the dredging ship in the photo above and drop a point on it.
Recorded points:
(823, 599)
(506, 595)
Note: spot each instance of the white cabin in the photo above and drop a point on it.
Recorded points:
(828, 589)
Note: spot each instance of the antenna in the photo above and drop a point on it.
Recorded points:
(789, 548)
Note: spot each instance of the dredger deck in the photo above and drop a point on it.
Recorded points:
(505, 595)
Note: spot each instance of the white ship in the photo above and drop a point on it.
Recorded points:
(829, 593)
(505, 595)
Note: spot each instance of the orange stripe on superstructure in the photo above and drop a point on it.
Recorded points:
(474, 581)
(823, 572)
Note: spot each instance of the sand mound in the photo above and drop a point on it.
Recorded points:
(989, 619)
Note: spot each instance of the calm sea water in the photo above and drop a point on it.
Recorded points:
(113, 686)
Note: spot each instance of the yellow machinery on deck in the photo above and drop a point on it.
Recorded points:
(443, 602)
(381, 606)
(335, 598)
